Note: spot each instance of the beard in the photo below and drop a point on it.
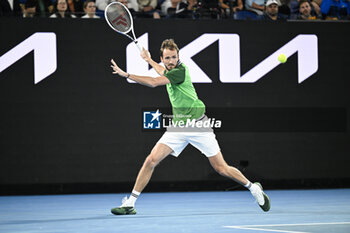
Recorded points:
(306, 13)
(273, 13)
(170, 66)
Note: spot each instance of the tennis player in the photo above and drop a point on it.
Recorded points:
(184, 100)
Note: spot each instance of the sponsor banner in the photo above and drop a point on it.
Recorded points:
(164, 119)
(237, 120)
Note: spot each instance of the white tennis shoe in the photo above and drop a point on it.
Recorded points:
(261, 197)
(258, 194)
(126, 203)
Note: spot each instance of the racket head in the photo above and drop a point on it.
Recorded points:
(119, 17)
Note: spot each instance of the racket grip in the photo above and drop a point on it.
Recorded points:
(138, 45)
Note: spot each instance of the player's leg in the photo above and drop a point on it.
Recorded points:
(159, 152)
(208, 145)
(219, 164)
(206, 142)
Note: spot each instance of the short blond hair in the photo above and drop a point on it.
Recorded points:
(168, 44)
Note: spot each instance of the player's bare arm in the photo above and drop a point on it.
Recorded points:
(143, 80)
(147, 57)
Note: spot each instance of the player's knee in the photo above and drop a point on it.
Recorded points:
(151, 162)
(221, 169)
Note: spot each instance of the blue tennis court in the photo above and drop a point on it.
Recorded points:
(235, 211)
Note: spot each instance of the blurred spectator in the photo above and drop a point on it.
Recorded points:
(237, 5)
(257, 6)
(335, 9)
(61, 8)
(246, 15)
(76, 7)
(271, 11)
(208, 9)
(147, 9)
(180, 9)
(284, 8)
(5, 8)
(294, 8)
(305, 11)
(10, 8)
(29, 10)
(90, 10)
(44, 8)
(102, 4)
(132, 4)
(225, 8)
(229, 7)
(126, 3)
(164, 6)
(318, 2)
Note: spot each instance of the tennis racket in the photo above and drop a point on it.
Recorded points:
(120, 20)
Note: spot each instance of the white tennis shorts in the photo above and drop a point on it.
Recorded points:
(204, 141)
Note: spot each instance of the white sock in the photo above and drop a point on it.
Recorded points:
(133, 197)
(248, 185)
(251, 187)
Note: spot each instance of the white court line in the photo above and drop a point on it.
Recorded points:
(257, 227)
(264, 229)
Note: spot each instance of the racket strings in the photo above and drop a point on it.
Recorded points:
(119, 18)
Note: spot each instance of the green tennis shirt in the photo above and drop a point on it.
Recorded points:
(182, 95)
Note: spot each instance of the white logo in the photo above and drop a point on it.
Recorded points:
(192, 124)
(151, 119)
(45, 59)
(229, 58)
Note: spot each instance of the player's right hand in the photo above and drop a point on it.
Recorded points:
(145, 54)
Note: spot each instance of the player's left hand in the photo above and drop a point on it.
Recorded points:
(117, 70)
